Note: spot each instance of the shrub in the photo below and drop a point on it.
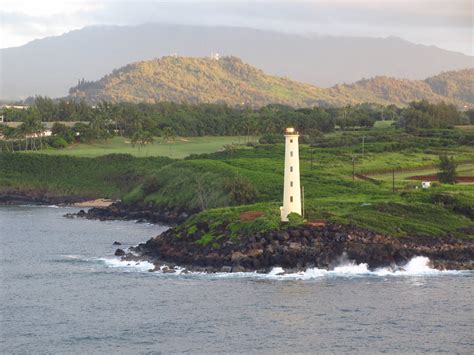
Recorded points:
(271, 138)
(150, 185)
(61, 130)
(241, 190)
(294, 219)
(58, 142)
(447, 167)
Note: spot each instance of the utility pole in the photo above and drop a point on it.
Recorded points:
(302, 201)
(363, 145)
(353, 167)
(393, 180)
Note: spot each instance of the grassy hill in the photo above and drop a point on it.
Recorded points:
(229, 80)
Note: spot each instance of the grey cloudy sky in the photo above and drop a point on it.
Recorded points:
(445, 23)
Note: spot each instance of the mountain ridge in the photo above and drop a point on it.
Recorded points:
(49, 66)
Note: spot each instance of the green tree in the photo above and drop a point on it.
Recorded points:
(11, 136)
(32, 128)
(46, 107)
(62, 131)
(447, 170)
(241, 190)
(168, 134)
(469, 116)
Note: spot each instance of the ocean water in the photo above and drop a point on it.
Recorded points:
(63, 291)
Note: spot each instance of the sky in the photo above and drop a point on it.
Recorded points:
(448, 24)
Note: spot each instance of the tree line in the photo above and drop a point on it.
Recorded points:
(143, 121)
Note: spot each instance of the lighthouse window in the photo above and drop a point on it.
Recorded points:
(291, 198)
(291, 154)
(291, 140)
(291, 183)
(291, 169)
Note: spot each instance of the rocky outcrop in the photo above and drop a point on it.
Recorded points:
(132, 212)
(301, 248)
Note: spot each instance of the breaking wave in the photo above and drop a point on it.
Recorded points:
(418, 266)
(125, 265)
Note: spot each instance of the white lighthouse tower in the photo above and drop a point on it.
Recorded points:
(291, 188)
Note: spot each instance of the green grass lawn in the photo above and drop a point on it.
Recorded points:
(383, 124)
(462, 170)
(179, 148)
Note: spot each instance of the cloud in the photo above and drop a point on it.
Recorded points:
(444, 23)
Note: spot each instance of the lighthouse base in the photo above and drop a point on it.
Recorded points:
(283, 214)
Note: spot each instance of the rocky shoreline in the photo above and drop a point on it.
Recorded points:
(297, 249)
(13, 197)
(132, 212)
(294, 249)
(99, 208)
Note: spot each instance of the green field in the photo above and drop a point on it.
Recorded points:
(383, 124)
(214, 182)
(178, 148)
(464, 169)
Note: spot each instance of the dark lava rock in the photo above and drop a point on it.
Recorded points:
(117, 243)
(226, 269)
(320, 247)
(139, 212)
(119, 252)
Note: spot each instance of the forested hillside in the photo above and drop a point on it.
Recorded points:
(194, 80)
(231, 81)
(385, 90)
(454, 84)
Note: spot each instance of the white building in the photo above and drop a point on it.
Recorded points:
(215, 56)
(291, 188)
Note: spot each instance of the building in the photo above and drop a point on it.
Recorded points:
(426, 184)
(291, 185)
(214, 56)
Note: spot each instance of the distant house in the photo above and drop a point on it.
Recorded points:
(45, 133)
(426, 184)
(22, 107)
(214, 56)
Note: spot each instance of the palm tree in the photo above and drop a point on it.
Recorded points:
(168, 134)
(147, 138)
(137, 140)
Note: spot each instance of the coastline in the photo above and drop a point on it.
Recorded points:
(132, 212)
(294, 249)
(299, 248)
(99, 202)
(38, 197)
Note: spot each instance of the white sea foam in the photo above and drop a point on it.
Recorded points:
(40, 206)
(127, 265)
(418, 266)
